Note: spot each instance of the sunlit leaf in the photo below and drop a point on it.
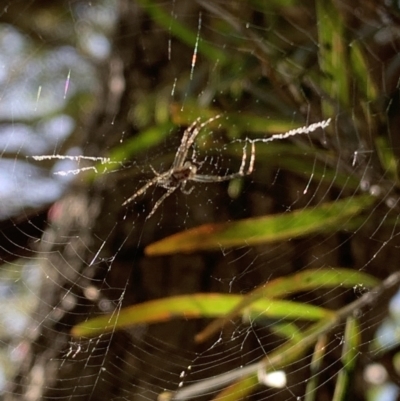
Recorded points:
(266, 229)
(197, 306)
(306, 280)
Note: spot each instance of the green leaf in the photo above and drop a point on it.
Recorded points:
(286, 330)
(238, 391)
(387, 157)
(194, 307)
(261, 230)
(333, 56)
(289, 352)
(306, 280)
(351, 344)
(315, 367)
(241, 122)
(134, 146)
(361, 73)
(314, 163)
(180, 31)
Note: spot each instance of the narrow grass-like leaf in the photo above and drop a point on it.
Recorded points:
(283, 356)
(261, 230)
(387, 157)
(284, 286)
(180, 31)
(239, 390)
(315, 368)
(197, 306)
(333, 56)
(134, 146)
(318, 173)
(351, 344)
(289, 352)
(310, 163)
(242, 122)
(141, 142)
(361, 73)
(286, 330)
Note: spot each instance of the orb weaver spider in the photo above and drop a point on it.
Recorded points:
(184, 168)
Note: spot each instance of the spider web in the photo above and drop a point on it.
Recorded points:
(97, 94)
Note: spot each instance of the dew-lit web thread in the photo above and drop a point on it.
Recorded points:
(196, 46)
(91, 346)
(104, 346)
(82, 282)
(67, 82)
(78, 159)
(227, 378)
(101, 370)
(103, 160)
(307, 129)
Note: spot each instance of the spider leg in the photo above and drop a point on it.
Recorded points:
(161, 200)
(183, 149)
(188, 138)
(141, 190)
(252, 159)
(186, 191)
(198, 128)
(156, 173)
(240, 173)
(204, 178)
(144, 188)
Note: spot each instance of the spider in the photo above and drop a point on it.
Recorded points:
(184, 169)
